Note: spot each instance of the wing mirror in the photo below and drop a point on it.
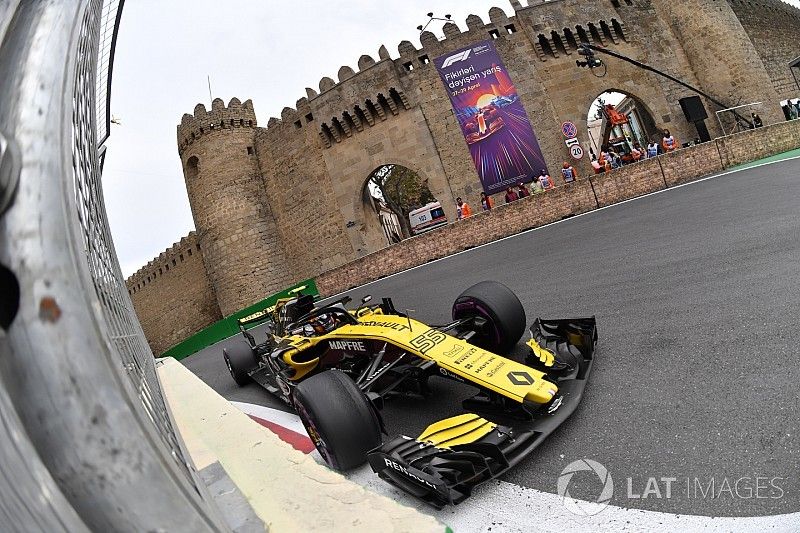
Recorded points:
(364, 301)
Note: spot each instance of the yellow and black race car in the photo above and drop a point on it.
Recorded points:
(336, 366)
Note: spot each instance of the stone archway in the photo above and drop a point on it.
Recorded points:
(387, 196)
(620, 119)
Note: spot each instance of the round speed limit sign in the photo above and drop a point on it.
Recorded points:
(576, 151)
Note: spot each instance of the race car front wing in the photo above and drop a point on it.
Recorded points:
(452, 456)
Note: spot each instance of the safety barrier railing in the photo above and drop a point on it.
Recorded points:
(87, 440)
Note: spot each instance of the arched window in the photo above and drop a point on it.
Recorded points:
(192, 168)
(557, 42)
(570, 37)
(582, 35)
(618, 29)
(545, 44)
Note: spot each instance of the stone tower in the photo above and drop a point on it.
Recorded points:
(721, 54)
(237, 235)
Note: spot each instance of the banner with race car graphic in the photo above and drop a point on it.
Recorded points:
(499, 134)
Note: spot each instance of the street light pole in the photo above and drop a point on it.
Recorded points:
(431, 18)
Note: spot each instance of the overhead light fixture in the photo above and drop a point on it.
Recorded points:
(431, 18)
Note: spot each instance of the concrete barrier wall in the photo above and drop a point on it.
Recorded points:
(691, 164)
(502, 221)
(682, 166)
(632, 181)
(764, 142)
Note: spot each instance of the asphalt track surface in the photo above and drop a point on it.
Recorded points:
(696, 291)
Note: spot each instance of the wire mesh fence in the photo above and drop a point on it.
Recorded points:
(121, 323)
(79, 393)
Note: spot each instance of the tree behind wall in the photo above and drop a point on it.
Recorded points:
(403, 191)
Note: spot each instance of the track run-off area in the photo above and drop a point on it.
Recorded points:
(693, 402)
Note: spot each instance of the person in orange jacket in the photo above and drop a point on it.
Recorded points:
(669, 143)
(463, 209)
(486, 202)
(569, 173)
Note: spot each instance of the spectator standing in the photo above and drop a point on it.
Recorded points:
(652, 149)
(463, 209)
(486, 202)
(636, 152)
(605, 161)
(545, 180)
(616, 160)
(569, 173)
(669, 142)
(605, 158)
(522, 191)
(511, 196)
(598, 168)
(757, 122)
(797, 107)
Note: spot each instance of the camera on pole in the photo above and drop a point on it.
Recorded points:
(585, 49)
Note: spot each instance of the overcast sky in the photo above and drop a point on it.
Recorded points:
(265, 50)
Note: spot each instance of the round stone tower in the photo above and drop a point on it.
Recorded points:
(241, 248)
(721, 54)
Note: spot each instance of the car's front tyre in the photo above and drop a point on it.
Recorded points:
(502, 310)
(338, 417)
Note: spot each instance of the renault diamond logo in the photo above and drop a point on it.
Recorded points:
(520, 378)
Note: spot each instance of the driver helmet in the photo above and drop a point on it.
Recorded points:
(322, 323)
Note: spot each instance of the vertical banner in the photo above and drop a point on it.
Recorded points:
(500, 137)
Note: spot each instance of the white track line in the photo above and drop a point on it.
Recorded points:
(499, 506)
(675, 187)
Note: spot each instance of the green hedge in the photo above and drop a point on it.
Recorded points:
(228, 326)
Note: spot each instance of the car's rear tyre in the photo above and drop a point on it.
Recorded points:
(338, 417)
(240, 359)
(501, 308)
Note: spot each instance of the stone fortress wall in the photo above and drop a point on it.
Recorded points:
(173, 295)
(772, 26)
(281, 203)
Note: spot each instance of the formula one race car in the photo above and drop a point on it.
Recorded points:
(336, 366)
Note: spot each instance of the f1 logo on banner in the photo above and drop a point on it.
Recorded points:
(498, 132)
(461, 56)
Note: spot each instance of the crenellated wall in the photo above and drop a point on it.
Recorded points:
(173, 296)
(276, 204)
(242, 250)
